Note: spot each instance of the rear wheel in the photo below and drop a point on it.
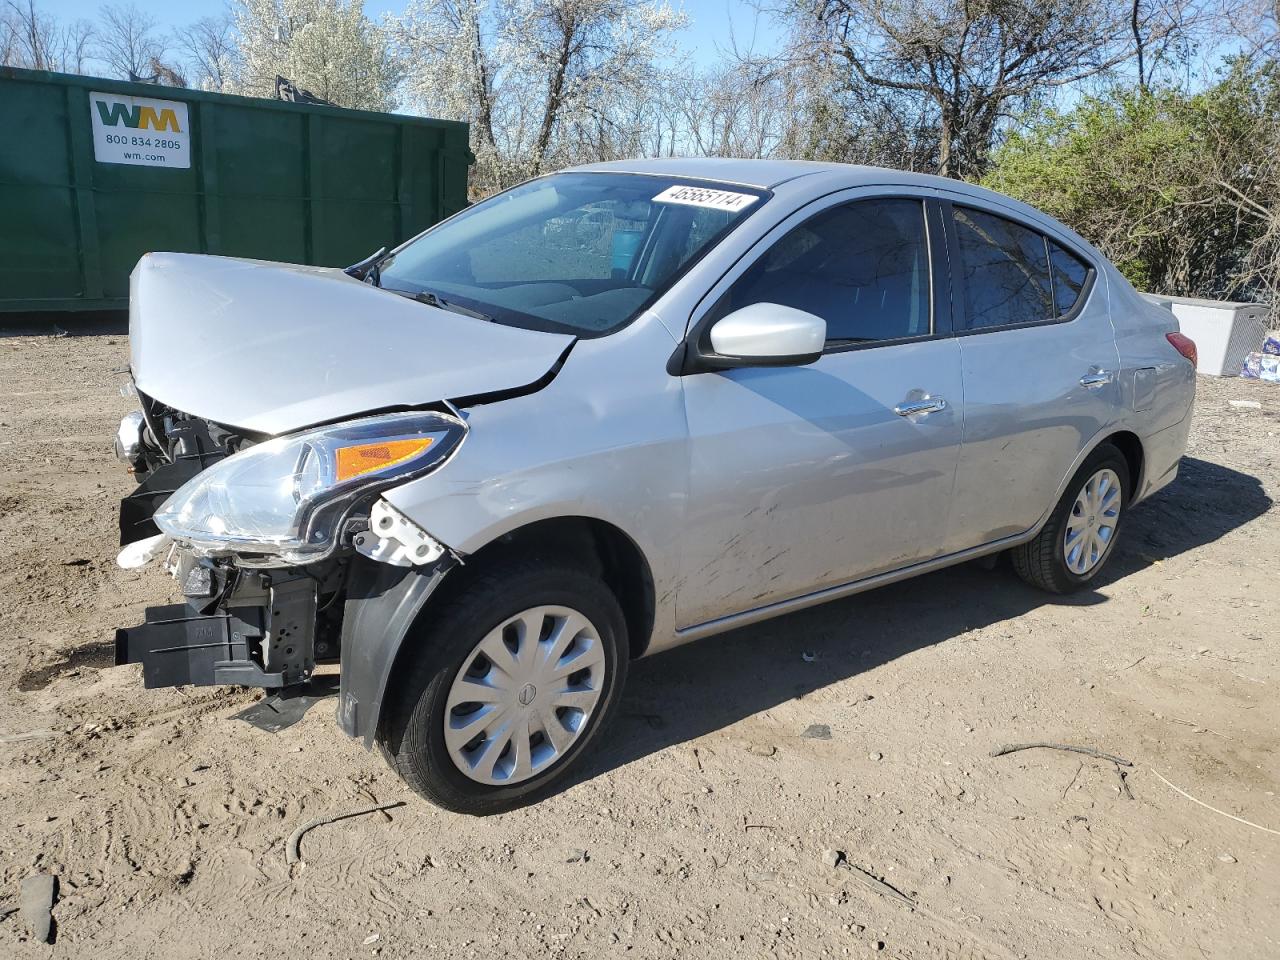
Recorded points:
(1080, 535)
(514, 678)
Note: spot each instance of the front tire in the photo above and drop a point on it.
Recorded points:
(1081, 533)
(513, 678)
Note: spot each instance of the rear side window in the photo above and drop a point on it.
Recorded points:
(1006, 271)
(862, 267)
(1069, 276)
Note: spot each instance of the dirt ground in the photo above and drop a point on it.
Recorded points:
(699, 828)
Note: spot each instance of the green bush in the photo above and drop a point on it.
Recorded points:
(1179, 191)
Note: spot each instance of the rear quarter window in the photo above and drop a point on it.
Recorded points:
(1070, 274)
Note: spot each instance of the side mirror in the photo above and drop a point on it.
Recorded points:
(765, 335)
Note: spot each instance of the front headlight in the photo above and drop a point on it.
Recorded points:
(286, 498)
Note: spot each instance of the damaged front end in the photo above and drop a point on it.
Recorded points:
(268, 537)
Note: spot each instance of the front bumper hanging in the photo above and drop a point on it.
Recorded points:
(263, 635)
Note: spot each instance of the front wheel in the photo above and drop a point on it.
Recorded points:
(513, 678)
(1081, 533)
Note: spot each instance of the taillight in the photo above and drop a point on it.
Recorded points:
(1184, 345)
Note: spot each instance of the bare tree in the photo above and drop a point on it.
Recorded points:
(736, 109)
(972, 63)
(8, 37)
(34, 39)
(543, 82)
(1256, 23)
(1166, 32)
(208, 47)
(1139, 44)
(78, 38)
(128, 41)
(580, 51)
(31, 37)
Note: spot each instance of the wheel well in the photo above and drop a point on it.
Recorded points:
(600, 547)
(1131, 447)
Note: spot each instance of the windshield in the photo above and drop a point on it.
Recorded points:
(579, 253)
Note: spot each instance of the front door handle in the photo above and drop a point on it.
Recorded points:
(1100, 378)
(914, 407)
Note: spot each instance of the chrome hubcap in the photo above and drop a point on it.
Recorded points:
(1092, 522)
(524, 695)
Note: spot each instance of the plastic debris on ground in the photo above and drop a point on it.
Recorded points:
(1264, 364)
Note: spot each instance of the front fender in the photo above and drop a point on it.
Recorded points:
(382, 603)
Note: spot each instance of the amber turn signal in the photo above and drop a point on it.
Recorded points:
(362, 458)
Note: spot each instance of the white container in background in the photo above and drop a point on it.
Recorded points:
(1224, 331)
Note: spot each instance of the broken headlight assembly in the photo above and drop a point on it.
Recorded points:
(283, 502)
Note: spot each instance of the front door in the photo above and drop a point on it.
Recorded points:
(810, 477)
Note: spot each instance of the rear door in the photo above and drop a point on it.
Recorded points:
(803, 478)
(1039, 362)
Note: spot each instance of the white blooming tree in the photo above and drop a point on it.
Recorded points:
(326, 46)
(543, 82)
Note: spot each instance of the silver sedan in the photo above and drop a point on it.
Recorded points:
(612, 410)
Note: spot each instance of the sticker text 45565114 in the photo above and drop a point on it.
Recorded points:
(706, 197)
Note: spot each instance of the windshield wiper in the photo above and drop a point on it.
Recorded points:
(435, 300)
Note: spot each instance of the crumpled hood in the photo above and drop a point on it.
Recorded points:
(274, 347)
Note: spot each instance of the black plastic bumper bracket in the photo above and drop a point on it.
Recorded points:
(176, 646)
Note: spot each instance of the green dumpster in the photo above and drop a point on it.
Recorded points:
(94, 173)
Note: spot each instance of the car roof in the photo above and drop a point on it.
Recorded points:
(767, 174)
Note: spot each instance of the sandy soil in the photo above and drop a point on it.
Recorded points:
(705, 818)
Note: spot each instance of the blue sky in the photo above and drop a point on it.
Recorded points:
(711, 21)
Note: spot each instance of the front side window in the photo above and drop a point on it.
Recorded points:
(862, 267)
(1006, 271)
(579, 253)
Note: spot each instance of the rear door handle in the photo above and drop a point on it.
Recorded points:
(1099, 379)
(915, 407)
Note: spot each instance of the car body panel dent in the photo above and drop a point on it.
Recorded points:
(799, 477)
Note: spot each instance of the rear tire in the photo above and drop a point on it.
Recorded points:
(418, 735)
(1080, 535)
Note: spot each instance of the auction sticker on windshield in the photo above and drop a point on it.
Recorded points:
(704, 197)
(140, 131)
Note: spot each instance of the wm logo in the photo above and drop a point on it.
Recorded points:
(134, 117)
